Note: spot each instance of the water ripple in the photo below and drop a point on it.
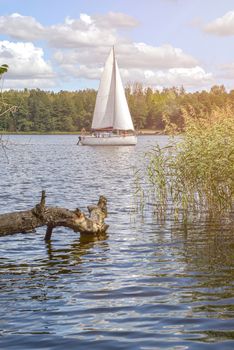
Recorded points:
(141, 286)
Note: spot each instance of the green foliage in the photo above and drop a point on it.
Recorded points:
(43, 111)
(195, 174)
(3, 69)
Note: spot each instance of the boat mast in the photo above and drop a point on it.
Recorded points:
(114, 75)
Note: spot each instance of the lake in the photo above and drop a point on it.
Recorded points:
(143, 285)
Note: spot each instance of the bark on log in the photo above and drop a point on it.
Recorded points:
(40, 215)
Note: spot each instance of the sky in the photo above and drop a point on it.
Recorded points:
(62, 45)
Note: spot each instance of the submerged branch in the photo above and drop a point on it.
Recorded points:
(40, 215)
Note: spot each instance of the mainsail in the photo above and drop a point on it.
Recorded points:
(111, 108)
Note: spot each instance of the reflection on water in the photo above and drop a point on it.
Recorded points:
(143, 285)
(73, 255)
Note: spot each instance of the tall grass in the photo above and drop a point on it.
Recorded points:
(195, 174)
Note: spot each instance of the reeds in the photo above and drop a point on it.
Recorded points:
(195, 174)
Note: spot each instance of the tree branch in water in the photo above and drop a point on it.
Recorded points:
(40, 215)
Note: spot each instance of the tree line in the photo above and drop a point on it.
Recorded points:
(45, 111)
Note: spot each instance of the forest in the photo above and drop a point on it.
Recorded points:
(47, 112)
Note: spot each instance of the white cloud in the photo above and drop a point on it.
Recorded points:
(188, 77)
(86, 18)
(26, 63)
(84, 31)
(79, 34)
(130, 55)
(195, 77)
(82, 46)
(147, 56)
(222, 26)
(154, 66)
(83, 71)
(21, 27)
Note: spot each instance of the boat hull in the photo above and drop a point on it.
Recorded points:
(118, 140)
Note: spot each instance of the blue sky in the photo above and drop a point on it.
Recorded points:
(63, 45)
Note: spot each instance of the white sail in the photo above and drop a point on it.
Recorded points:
(103, 111)
(111, 108)
(122, 117)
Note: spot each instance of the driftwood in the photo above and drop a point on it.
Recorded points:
(40, 215)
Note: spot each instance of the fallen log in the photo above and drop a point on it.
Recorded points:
(40, 215)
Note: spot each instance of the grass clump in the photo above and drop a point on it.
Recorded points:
(196, 173)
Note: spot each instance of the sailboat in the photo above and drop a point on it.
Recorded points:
(112, 123)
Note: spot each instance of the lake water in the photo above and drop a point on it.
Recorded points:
(143, 285)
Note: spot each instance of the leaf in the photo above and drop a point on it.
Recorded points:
(3, 68)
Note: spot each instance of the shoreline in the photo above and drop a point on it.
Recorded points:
(142, 132)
